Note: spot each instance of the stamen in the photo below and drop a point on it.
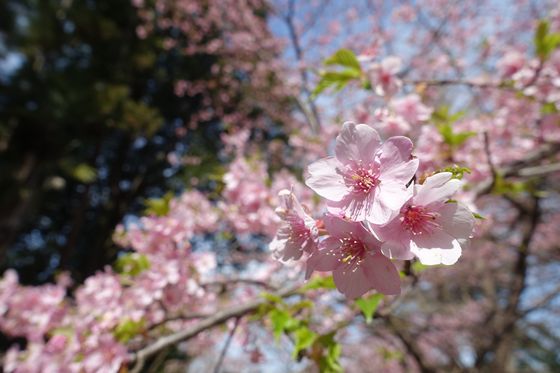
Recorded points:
(362, 178)
(418, 221)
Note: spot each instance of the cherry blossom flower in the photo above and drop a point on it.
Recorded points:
(411, 108)
(384, 76)
(298, 232)
(366, 179)
(429, 226)
(354, 256)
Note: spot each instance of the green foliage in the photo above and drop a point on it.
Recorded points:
(84, 173)
(346, 58)
(549, 108)
(504, 186)
(444, 120)
(132, 264)
(292, 320)
(158, 206)
(369, 305)
(319, 282)
(478, 216)
(338, 79)
(303, 339)
(545, 41)
(457, 171)
(282, 322)
(329, 354)
(418, 267)
(128, 329)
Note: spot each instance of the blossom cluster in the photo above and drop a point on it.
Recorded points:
(376, 212)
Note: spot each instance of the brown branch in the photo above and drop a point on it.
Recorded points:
(139, 357)
(313, 116)
(516, 168)
(226, 346)
(409, 343)
(234, 281)
(504, 321)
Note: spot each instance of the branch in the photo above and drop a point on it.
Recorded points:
(139, 357)
(516, 168)
(409, 343)
(233, 281)
(489, 159)
(312, 114)
(505, 321)
(226, 346)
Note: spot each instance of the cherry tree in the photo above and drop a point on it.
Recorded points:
(401, 216)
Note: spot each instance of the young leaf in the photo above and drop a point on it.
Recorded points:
(158, 206)
(303, 338)
(344, 57)
(457, 171)
(132, 264)
(369, 305)
(336, 80)
(282, 322)
(319, 282)
(330, 354)
(84, 173)
(128, 329)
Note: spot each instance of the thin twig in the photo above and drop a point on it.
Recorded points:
(139, 357)
(226, 346)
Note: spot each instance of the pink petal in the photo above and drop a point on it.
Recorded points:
(438, 256)
(389, 231)
(457, 220)
(381, 213)
(437, 188)
(397, 250)
(352, 282)
(390, 198)
(382, 274)
(341, 228)
(394, 195)
(355, 207)
(327, 258)
(438, 239)
(326, 179)
(393, 154)
(356, 142)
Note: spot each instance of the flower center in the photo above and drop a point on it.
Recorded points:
(417, 220)
(362, 179)
(354, 251)
(297, 226)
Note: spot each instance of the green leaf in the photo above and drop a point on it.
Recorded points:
(158, 206)
(545, 41)
(457, 171)
(132, 264)
(84, 173)
(329, 361)
(344, 57)
(478, 216)
(549, 108)
(444, 120)
(540, 39)
(319, 282)
(336, 80)
(303, 338)
(282, 321)
(418, 267)
(128, 329)
(273, 298)
(503, 186)
(369, 305)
